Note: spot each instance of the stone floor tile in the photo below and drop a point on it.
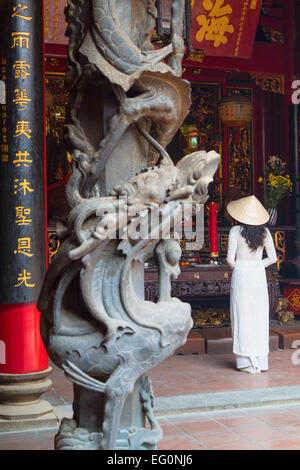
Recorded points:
(180, 443)
(215, 438)
(263, 433)
(24, 441)
(276, 418)
(202, 426)
(239, 446)
(281, 444)
(241, 422)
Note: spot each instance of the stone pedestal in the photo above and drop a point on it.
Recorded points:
(21, 403)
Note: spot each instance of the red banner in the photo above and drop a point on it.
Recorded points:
(54, 21)
(225, 28)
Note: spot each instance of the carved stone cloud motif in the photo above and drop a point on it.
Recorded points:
(127, 101)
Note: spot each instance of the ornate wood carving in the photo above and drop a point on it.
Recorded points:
(194, 283)
(273, 35)
(197, 55)
(240, 152)
(273, 83)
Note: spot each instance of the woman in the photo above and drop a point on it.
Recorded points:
(249, 300)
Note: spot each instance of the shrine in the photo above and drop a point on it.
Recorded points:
(242, 107)
(241, 62)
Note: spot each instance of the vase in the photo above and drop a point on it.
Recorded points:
(273, 216)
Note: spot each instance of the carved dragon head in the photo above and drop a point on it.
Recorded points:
(149, 187)
(195, 173)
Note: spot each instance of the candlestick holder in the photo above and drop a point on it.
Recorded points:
(214, 259)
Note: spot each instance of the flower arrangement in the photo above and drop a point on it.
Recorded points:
(278, 184)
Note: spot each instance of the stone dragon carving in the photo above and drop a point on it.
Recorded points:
(96, 323)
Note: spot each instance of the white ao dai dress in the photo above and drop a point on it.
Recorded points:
(249, 299)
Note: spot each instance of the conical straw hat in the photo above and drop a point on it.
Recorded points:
(249, 211)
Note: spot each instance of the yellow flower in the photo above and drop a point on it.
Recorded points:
(260, 180)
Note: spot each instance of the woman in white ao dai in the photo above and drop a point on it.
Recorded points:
(249, 299)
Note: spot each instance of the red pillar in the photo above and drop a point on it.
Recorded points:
(20, 332)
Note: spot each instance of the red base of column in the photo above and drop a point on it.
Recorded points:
(21, 346)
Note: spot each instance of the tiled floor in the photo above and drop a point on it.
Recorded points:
(270, 428)
(255, 428)
(203, 374)
(248, 429)
(180, 375)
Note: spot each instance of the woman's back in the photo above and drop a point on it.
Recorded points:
(239, 250)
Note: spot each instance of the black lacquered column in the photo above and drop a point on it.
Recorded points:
(22, 247)
(24, 369)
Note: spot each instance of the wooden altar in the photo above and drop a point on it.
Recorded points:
(208, 284)
(206, 281)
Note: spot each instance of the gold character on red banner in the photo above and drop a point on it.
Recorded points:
(294, 299)
(24, 278)
(214, 27)
(19, 10)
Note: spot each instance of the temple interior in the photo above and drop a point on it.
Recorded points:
(242, 62)
(263, 80)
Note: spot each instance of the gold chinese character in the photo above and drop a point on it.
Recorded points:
(217, 25)
(294, 299)
(22, 159)
(24, 247)
(21, 216)
(22, 68)
(18, 10)
(20, 40)
(4, 148)
(4, 158)
(23, 128)
(216, 8)
(21, 99)
(24, 278)
(23, 186)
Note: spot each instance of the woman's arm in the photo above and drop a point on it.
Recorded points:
(270, 250)
(232, 245)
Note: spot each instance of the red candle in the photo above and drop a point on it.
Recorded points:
(213, 232)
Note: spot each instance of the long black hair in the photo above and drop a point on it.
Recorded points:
(254, 235)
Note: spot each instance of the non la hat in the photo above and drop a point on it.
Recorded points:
(248, 210)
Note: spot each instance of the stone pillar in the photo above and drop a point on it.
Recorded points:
(24, 366)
